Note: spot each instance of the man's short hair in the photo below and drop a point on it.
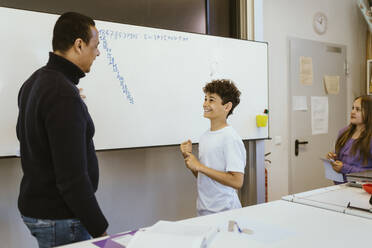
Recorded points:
(69, 27)
(225, 89)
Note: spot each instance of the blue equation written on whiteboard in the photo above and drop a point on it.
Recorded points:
(105, 34)
(116, 35)
(115, 69)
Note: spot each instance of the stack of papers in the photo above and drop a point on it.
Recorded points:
(173, 234)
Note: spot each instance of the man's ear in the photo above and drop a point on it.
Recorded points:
(78, 45)
(228, 107)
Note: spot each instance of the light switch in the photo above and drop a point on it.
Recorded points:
(278, 140)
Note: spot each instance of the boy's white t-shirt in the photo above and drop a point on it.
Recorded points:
(221, 150)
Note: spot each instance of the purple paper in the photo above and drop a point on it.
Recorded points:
(109, 243)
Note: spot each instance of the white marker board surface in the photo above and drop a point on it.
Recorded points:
(145, 88)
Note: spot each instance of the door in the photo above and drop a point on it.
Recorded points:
(306, 171)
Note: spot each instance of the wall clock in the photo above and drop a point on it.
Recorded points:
(320, 23)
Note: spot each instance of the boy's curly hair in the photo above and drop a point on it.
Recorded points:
(225, 89)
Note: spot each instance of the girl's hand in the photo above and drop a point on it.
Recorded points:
(331, 155)
(337, 166)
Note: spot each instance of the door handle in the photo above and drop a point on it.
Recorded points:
(297, 143)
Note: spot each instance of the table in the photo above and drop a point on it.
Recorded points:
(336, 198)
(282, 224)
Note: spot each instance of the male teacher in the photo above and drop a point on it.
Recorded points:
(55, 132)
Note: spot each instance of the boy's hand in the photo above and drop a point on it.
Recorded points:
(192, 162)
(186, 147)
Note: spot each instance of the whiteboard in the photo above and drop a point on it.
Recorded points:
(145, 88)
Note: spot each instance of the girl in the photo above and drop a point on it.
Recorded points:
(353, 146)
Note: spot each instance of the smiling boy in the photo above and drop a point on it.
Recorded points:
(222, 156)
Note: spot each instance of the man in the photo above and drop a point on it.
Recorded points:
(55, 131)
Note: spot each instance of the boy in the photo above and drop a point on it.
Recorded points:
(222, 156)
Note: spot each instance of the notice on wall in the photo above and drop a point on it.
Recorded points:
(332, 84)
(299, 103)
(306, 70)
(319, 114)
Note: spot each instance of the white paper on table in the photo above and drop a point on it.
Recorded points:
(168, 234)
(330, 173)
(306, 70)
(124, 240)
(332, 84)
(319, 114)
(299, 103)
(261, 232)
(361, 202)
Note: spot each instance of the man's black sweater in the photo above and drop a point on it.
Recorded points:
(58, 158)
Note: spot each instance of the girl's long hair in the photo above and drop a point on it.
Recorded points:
(361, 144)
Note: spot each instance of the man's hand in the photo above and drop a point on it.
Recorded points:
(186, 147)
(81, 93)
(337, 166)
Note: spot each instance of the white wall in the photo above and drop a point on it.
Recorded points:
(283, 18)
